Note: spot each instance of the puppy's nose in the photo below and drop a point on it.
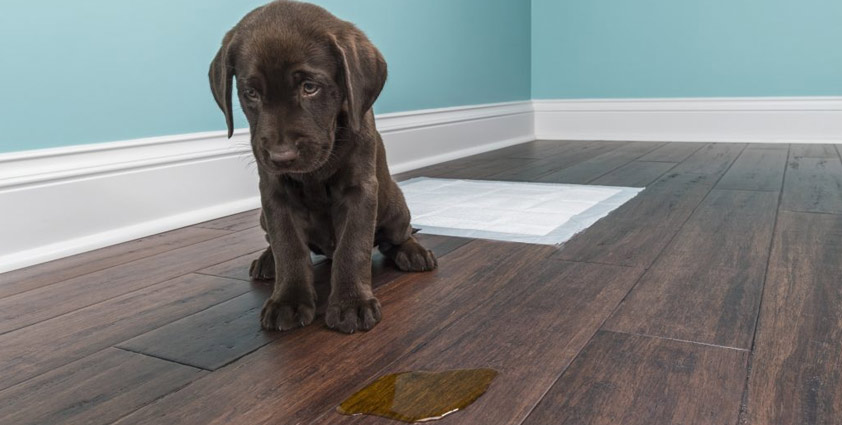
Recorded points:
(283, 154)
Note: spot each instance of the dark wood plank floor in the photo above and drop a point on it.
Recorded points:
(713, 297)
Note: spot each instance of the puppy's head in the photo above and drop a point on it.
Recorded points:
(301, 74)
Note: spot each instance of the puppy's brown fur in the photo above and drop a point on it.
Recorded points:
(306, 81)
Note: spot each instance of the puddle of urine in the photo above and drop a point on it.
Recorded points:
(419, 396)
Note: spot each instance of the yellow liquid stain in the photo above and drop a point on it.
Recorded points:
(419, 396)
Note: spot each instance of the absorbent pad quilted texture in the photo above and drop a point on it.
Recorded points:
(539, 213)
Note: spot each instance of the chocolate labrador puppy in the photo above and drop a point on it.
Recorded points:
(306, 81)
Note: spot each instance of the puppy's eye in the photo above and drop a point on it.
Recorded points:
(309, 88)
(251, 94)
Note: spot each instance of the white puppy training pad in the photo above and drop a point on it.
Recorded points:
(539, 213)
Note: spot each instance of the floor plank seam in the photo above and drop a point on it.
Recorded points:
(225, 261)
(540, 176)
(239, 279)
(204, 273)
(26, 381)
(123, 264)
(550, 155)
(653, 160)
(660, 176)
(136, 289)
(686, 341)
(200, 226)
(810, 212)
(748, 190)
(118, 347)
(156, 399)
(617, 148)
(699, 147)
(174, 390)
(741, 416)
(226, 230)
(675, 164)
(118, 296)
(596, 263)
(247, 353)
(626, 163)
(726, 189)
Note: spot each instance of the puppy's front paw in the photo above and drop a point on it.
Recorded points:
(286, 314)
(412, 257)
(351, 315)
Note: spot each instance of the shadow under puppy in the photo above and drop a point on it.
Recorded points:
(306, 81)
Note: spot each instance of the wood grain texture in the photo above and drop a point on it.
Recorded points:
(712, 159)
(585, 171)
(22, 280)
(635, 174)
(98, 389)
(319, 366)
(779, 146)
(813, 150)
(540, 149)
(813, 185)
(564, 156)
(482, 169)
(223, 333)
(234, 223)
(796, 374)
(34, 350)
(635, 233)
(756, 169)
(706, 286)
(46, 302)
(456, 164)
(636, 380)
(544, 320)
(672, 152)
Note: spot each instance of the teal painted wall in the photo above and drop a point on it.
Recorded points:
(686, 48)
(106, 70)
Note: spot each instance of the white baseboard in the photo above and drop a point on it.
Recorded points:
(764, 120)
(63, 201)
(421, 138)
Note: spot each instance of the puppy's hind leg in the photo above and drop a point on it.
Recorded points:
(410, 256)
(395, 240)
(263, 267)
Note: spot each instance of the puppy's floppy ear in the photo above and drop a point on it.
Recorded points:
(220, 74)
(362, 73)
